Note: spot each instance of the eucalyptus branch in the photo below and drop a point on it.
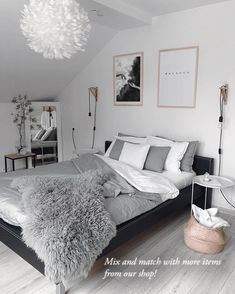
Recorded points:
(21, 114)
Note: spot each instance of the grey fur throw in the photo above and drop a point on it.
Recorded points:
(67, 224)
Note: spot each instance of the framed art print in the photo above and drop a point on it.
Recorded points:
(177, 77)
(128, 79)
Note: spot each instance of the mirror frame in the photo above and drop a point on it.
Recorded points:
(58, 122)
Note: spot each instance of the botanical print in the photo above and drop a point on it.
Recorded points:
(128, 79)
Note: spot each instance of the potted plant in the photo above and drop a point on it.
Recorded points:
(21, 114)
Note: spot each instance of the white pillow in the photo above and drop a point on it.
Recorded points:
(39, 134)
(175, 154)
(134, 154)
(47, 134)
(135, 140)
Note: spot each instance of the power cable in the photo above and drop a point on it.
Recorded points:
(223, 91)
(94, 92)
(94, 125)
(74, 144)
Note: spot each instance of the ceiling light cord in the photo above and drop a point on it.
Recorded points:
(223, 90)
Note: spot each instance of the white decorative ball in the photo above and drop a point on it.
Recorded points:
(55, 28)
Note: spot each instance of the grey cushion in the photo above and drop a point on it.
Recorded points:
(39, 134)
(52, 136)
(117, 149)
(156, 158)
(187, 161)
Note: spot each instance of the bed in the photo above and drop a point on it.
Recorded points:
(11, 235)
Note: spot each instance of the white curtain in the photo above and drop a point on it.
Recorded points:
(45, 120)
(53, 119)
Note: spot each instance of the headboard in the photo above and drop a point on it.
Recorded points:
(201, 164)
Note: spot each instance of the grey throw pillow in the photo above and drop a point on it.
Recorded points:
(187, 160)
(186, 163)
(156, 158)
(52, 136)
(39, 135)
(117, 149)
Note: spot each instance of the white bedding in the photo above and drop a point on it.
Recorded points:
(10, 208)
(180, 180)
(142, 180)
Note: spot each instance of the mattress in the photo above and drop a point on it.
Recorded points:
(122, 208)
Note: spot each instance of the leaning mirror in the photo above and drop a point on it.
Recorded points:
(45, 132)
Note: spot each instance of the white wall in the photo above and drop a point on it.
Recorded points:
(212, 29)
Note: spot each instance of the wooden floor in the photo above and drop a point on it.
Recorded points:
(164, 240)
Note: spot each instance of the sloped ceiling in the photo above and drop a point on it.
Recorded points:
(26, 72)
(151, 8)
(22, 71)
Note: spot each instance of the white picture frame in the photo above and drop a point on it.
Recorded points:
(128, 79)
(177, 77)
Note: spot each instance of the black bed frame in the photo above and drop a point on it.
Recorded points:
(11, 235)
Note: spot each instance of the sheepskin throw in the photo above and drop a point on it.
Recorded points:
(67, 224)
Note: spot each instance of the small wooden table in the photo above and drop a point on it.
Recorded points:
(15, 156)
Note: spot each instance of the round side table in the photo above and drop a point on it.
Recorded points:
(212, 182)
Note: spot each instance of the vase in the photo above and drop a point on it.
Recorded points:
(19, 148)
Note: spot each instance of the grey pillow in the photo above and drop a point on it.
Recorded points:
(117, 149)
(156, 158)
(52, 136)
(187, 161)
(39, 135)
